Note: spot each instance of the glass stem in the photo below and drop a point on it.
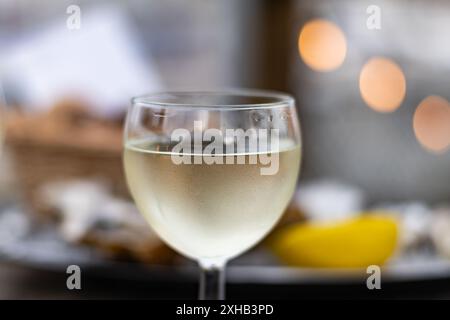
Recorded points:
(212, 280)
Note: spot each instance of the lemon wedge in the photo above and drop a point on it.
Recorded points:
(369, 239)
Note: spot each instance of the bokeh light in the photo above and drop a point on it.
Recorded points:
(322, 45)
(431, 123)
(382, 84)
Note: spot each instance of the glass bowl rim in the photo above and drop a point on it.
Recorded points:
(156, 99)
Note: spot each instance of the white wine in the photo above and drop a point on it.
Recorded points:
(208, 211)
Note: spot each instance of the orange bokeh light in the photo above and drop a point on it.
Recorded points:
(382, 84)
(431, 123)
(322, 45)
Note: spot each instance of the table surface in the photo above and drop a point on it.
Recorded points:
(23, 283)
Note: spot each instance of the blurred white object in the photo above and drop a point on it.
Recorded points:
(328, 200)
(13, 224)
(415, 222)
(99, 63)
(440, 231)
(85, 205)
(77, 202)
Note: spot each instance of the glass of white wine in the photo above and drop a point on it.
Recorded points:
(212, 172)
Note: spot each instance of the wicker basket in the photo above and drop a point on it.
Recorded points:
(38, 164)
(58, 146)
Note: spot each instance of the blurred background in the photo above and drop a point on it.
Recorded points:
(370, 81)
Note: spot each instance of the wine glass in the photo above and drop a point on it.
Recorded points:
(212, 172)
